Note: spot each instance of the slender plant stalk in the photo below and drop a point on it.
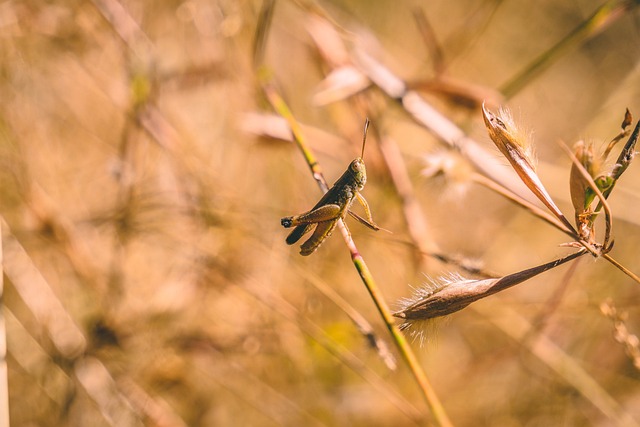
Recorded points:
(356, 317)
(417, 225)
(622, 268)
(535, 210)
(554, 357)
(551, 305)
(4, 382)
(604, 16)
(402, 344)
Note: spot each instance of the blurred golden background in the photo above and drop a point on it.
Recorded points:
(144, 175)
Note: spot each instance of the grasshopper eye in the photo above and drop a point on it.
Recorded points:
(357, 166)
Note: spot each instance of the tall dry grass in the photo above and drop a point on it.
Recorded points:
(144, 175)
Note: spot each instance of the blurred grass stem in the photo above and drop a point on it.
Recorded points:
(4, 381)
(604, 16)
(555, 358)
(535, 210)
(622, 268)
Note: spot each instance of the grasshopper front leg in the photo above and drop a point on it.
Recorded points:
(369, 221)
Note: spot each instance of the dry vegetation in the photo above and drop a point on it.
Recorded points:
(144, 175)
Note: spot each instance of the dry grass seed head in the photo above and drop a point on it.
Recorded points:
(422, 328)
(516, 146)
(621, 333)
(514, 143)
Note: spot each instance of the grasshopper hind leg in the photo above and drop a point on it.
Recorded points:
(323, 213)
(322, 231)
(303, 223)
(297, 233)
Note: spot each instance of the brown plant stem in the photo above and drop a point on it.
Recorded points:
(417, 226)
(622, 268)
(517, 327)
(604, 16)
(535, 210)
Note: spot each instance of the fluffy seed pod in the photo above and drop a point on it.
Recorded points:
(516, 146)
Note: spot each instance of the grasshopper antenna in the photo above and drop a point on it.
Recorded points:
(364, 136)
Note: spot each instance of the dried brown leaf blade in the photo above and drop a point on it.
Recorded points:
(514, 146)
(585, 241)
(624, 131)
(577, 184)
(581, 194)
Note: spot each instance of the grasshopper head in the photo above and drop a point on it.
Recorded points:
(359, 172)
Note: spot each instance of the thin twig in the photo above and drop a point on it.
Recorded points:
(622, 268)
(622, 163)
(535, 210)
(552, 303)
(430, 40)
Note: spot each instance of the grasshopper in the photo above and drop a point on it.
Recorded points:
(332, 207)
